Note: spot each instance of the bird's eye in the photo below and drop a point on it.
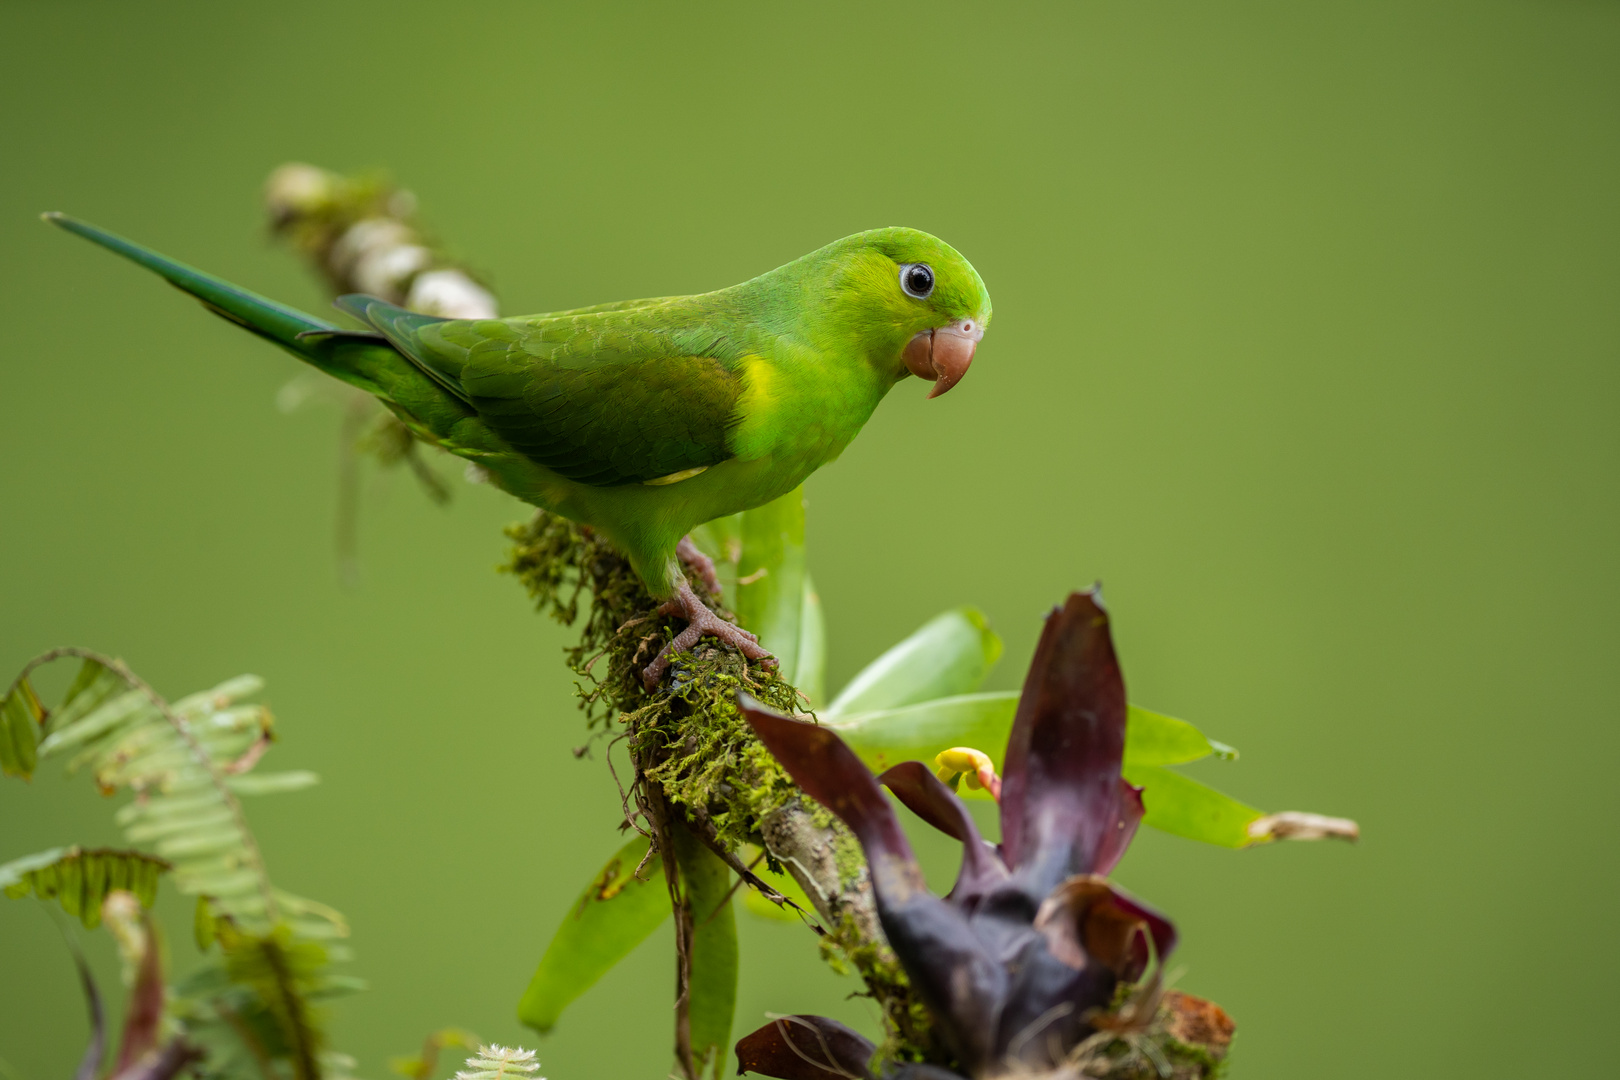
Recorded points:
(917, 279)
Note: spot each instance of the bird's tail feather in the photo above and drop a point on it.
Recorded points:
(316, 341)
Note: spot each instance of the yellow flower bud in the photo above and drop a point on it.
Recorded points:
(972, 765)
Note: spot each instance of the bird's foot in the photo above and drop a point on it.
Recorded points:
(700, 564)
(700, 622)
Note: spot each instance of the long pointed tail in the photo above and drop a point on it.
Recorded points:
(361, 360)
(259, 314)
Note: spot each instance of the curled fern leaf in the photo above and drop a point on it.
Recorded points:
(80, 880)
(20, 715)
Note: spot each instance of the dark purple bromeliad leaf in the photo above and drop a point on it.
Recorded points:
(1030, 945)
(812, 1047)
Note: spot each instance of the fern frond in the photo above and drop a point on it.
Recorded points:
(80, 880)
(500, 1063)
(20, 714)
(254, 1009)
(284, 974)
(188, 764)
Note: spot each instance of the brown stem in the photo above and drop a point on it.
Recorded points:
(701, 826)
(656, 811)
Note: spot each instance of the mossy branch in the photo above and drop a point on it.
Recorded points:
(688, 743)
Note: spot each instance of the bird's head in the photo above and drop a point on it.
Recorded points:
(916, 303)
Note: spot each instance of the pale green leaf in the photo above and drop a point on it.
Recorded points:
(770, 577)
(810, 676)
(80, 880)
(98, 722)
(201, 842)
(220, 697)
(949, 656)
(301, 907)
(170, 806)
(712, 989)
(20, 714)
(1155, 739)
(721, 541)
(272, 783)
(147, 831)
(94, 685)
(1175, 803)
(919, 732)
(15, 872)
(613, 915)
(1181, 805)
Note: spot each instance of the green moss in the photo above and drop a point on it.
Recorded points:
(1194, 1061)
(1145, 1051)
(848, 857)
(687, 736)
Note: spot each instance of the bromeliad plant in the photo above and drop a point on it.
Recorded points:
(696, 764)
(1023, 960)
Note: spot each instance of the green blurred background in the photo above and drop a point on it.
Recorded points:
(1305, 343)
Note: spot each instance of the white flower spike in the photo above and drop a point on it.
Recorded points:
(501, 1063)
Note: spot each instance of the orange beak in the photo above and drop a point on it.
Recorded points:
(942, 355)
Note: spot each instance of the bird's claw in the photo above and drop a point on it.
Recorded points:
(700, 623)
(700, 564)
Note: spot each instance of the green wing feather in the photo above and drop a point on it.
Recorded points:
(596, 397)
(603, 396)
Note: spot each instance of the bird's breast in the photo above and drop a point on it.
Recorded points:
(803, 412)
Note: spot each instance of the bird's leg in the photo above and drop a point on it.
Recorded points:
(700, 564)
(700, 622)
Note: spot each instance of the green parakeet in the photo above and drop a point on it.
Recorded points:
(646, 418)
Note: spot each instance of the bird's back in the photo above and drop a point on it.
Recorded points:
(615, 394)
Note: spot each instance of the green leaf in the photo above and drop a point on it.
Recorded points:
(272, 783)
(765, 547)
(721, 540)
(614, 914)
(94, 685)
(204, 927)
(949, 656)
(286, 976)
(810, 677)
(1181, 805)
(1154, 739)
(20, 717)
(15, 876)
(712, 989)
(80, 880)
(770, 577)
(918, 732)
(984, 721)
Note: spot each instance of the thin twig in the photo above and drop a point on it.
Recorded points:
(652, 804)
